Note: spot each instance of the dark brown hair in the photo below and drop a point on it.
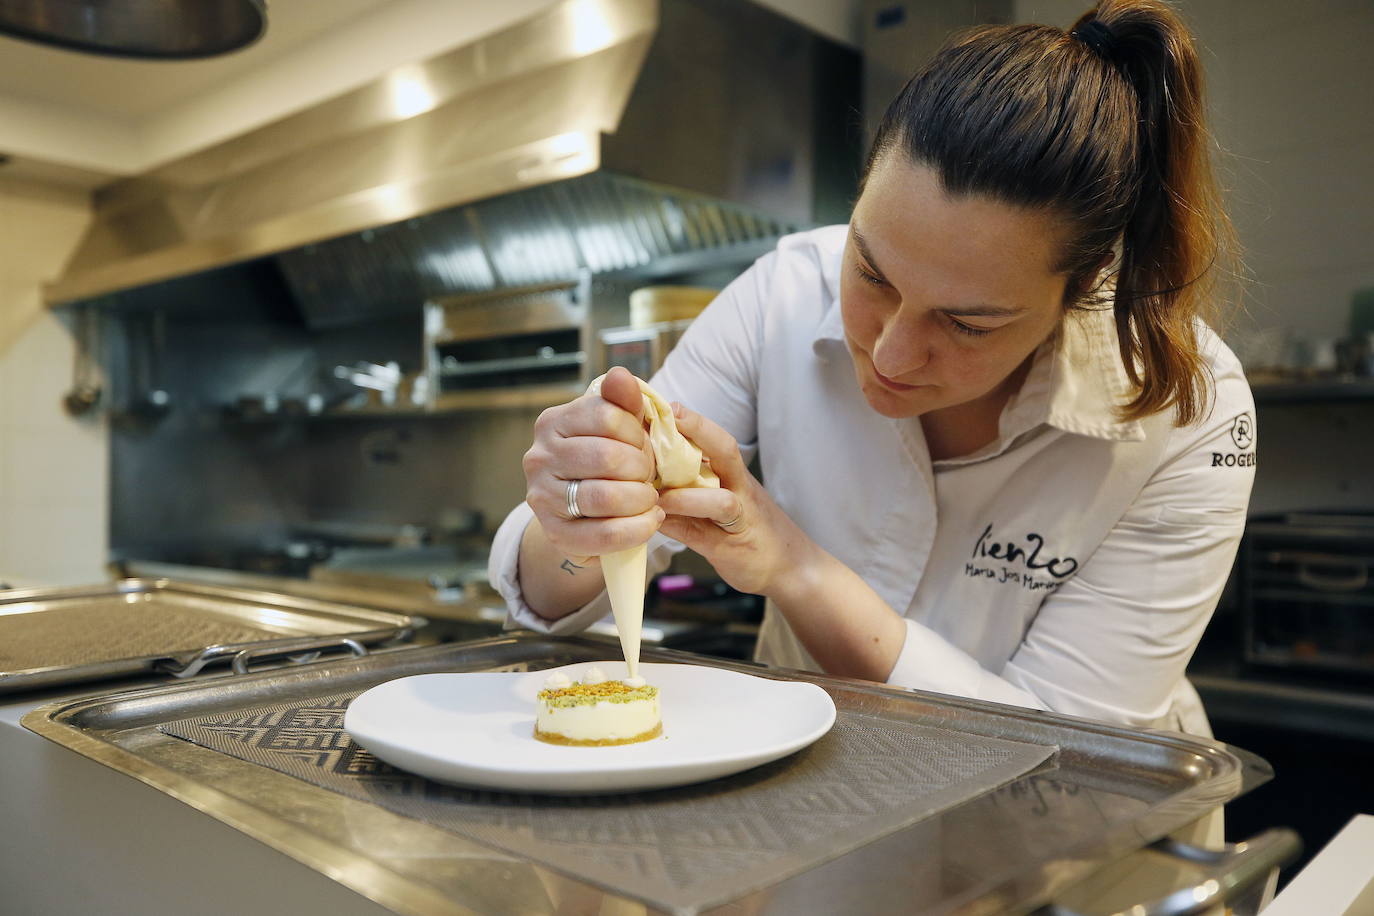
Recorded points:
(1101, 126)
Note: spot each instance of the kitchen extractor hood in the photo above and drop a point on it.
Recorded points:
(593, 136)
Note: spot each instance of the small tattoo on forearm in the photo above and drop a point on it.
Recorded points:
(570, 567)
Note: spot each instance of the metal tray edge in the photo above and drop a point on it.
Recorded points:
(387, 625)
(353, 870)
(1228, 768)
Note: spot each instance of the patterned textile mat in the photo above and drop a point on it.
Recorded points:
(681, 850)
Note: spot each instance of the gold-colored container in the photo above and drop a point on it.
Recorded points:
(657, 304)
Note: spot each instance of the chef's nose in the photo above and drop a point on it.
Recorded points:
(903, 344)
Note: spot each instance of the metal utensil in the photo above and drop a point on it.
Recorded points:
(85, 394)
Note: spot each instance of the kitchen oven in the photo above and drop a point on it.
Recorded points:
(1307, 592)
(524, 347)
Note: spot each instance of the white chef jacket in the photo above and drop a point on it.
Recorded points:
(1070, 565)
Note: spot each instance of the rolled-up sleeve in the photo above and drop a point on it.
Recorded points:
(503, 571)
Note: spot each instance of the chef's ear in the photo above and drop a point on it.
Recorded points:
(622, 389)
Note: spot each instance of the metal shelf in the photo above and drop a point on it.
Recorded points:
(1314, 391)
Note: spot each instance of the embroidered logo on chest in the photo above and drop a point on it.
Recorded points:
(1024, 561)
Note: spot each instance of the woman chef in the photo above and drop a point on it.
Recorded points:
(1005, 456)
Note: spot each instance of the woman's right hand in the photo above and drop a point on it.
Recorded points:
(598, 440)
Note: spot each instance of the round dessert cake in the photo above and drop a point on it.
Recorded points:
(596, 711)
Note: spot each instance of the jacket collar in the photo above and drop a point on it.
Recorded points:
(1076, 382)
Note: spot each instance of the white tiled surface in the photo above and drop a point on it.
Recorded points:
(53, 468)
(1339, 880)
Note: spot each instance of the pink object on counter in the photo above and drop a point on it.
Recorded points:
(678, 583)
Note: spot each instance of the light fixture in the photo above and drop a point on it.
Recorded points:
(158, 29)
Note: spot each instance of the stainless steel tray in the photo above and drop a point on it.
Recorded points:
(55, 636)
(1113, 791)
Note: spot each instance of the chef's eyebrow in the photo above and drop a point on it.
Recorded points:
(862, 245)
(978, 310)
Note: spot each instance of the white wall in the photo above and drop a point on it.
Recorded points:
(837, 19)
(53, 469)
(1293, 112)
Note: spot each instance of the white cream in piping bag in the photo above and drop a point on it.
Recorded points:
(678, 464)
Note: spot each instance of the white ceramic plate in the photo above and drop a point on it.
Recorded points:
(478, 729)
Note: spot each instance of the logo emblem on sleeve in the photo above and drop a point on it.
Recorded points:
(1243, 431)
(1243, 435)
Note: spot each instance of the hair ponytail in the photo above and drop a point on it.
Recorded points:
(1103, 125)
(1177, 228)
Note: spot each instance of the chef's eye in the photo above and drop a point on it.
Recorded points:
(968, 329)
(868, 276)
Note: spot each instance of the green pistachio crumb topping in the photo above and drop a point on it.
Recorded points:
(590, 694)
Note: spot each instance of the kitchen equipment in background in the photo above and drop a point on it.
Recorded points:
(385, 380)
(144, 349)
(86, 391)
(447, 566)
(641, 350)
(1307, 591)
(612, 110)
(658, 317)
(524, 347)
(57, 636)
(657, 304)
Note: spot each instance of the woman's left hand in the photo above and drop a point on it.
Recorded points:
(739, 529)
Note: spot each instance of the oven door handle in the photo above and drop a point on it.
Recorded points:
(1338, 574)
(1233, 873)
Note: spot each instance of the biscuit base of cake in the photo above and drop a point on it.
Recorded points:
(602, 713)
(555, 738)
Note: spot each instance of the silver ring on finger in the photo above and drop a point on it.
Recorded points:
(573, 511)
(730, 525)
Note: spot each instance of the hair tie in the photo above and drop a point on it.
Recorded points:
(1095, 34)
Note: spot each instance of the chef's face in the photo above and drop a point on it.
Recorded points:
(944, 298)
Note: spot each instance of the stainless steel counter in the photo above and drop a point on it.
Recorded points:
(472, 603)
(1113, 791)
(79, 837)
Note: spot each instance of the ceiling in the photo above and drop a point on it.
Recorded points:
(136, 89)
(81, 121)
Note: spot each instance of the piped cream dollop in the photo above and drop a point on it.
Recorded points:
(635, 681)
(594, 675)
(557, 681)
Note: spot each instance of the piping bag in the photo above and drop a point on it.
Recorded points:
(678, 463)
